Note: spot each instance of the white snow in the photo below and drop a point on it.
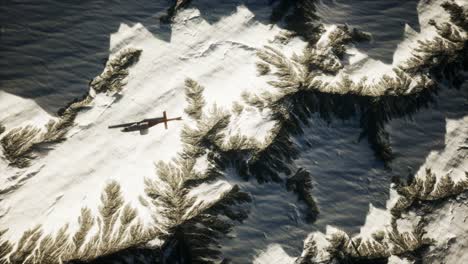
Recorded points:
(274, 254)
(376, 220)
(379, 219)
(453, 159)
(220, 56)
(447, 224)
(206, 193)
(427, 10)
(251, 123)
(16, 111)
(201, 164)
(355, 56)
(324, 40)
(398, 260)
(448, 227)
(357, 65)
(370, 68)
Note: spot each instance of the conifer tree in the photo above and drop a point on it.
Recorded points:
(194, 97)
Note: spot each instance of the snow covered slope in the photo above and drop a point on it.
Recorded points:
(151, 188)
(399, 229)
(74, 173)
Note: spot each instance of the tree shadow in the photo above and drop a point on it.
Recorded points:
(50, 51)
(385, 20)
(346, 175)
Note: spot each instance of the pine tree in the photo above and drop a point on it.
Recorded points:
(112, 79)
(18, 145)
(194, 97)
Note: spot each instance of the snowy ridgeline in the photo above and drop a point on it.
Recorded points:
(74, 173)
(392, 232)
(73, 162)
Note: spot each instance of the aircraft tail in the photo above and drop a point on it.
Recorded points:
(165, 119)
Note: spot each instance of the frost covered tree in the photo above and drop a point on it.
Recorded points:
(299, 91)
(195, 100)
(191, 228)
(21, 145)
(18, 145)
(115, 228)
(113, 78)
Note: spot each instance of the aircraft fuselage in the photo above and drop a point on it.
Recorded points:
(145, 124)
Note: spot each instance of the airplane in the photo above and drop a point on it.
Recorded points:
(145, 124)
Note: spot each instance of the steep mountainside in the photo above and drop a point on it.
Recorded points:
(274, 104)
